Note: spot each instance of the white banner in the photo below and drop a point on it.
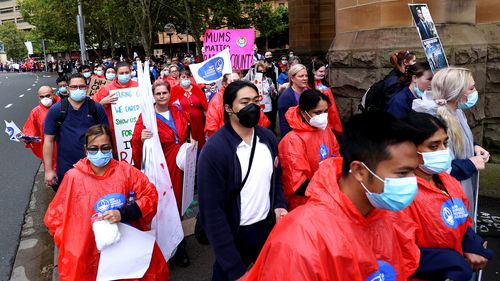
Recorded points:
(125, 113)
(29, 46)
(166, 224)
(189, 176)
(212, 69)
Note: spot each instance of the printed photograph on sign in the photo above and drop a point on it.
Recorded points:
(423, 21)
(435, 54)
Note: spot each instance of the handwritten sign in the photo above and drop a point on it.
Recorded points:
(125, 113)
(239, 41)
(95, 85)
(189, 176)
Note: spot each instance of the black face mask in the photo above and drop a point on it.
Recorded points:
(269, 59)
(249, 115)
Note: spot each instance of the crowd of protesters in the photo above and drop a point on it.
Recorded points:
(286, 190)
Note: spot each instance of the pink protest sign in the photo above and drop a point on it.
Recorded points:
(239, 41)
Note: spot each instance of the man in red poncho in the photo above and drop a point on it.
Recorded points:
(34, 124)
(346, 230)
(215, 111)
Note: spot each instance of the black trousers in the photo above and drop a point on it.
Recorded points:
(249, 242)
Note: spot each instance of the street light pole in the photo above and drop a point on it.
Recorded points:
(170, 30)
(81, 33)
(44, 55)
(187, 40)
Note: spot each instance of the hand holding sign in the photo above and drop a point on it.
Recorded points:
(12, 130)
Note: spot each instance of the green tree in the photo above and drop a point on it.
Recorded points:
(269, 22)
(13, 40)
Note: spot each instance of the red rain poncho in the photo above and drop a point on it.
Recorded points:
(68, 217)
(169, 146)
(34, 128)
(329, 239)
(300, 153)
(333, 113)
(215, 114)
(446, 215)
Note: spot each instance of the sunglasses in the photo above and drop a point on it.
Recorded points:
(106, 148)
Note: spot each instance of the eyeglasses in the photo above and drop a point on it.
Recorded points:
(105, 148)
(80, 87)
(162, 94)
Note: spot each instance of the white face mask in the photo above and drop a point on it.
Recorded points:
(319, 121)
(47, 102)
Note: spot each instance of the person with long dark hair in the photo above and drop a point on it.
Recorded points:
(416, 81)
(308, 144)
(317, 80)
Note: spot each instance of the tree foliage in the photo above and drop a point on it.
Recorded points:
(13, 40)
(112, 24)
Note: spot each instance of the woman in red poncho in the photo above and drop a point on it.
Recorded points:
(194, 102)
(309, 143)
(173, 132)
(316, 80)
(92, 180)
(450, 249)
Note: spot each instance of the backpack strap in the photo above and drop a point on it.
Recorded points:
(62, 114)
(93, 110)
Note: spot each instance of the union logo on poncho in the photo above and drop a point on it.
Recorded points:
(113, 201)
(454, 212)
(385, 272)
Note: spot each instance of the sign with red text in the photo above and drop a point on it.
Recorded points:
(125, 113)
(239, 41)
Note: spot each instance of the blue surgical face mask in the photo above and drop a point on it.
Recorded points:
(471, 101)
(398, 193)
(123, 78)
(110, 76)
(185, 83)
(86, 74)
(77, 95)
(418, 92)
(100, 159)
(436, 162)
(62, 89)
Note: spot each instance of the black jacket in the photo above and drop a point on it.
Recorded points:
(219, 180)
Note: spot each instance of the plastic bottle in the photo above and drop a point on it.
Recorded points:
(131, 198)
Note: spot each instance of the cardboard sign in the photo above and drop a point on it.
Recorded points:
(189, 176)
(95, 85)
(125, 113)
(428, 36)
(239, 41)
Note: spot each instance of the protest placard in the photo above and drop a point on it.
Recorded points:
(95, 85)
(212, 69)
(429, 37)
(189, 176)
(125, 113)
(239, 41)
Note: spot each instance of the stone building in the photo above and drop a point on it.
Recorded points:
(357, 37)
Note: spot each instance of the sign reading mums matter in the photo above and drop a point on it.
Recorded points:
(125, 113)
(239, 41)
(428, 35)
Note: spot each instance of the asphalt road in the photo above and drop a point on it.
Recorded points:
(18, 166)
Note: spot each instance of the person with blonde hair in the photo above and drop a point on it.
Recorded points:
(453, 91)
(290, 97)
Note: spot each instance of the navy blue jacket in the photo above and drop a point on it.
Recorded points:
(219, 180)
(392, 84)
(462, 169)
(286, 100)
(400, 104)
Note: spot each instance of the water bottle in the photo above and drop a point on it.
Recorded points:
(131, 198)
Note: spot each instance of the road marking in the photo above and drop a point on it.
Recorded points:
(9, 105)
(46, 76)
(29, 89)
(22, 95)
(54, 88)
(33, 85)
